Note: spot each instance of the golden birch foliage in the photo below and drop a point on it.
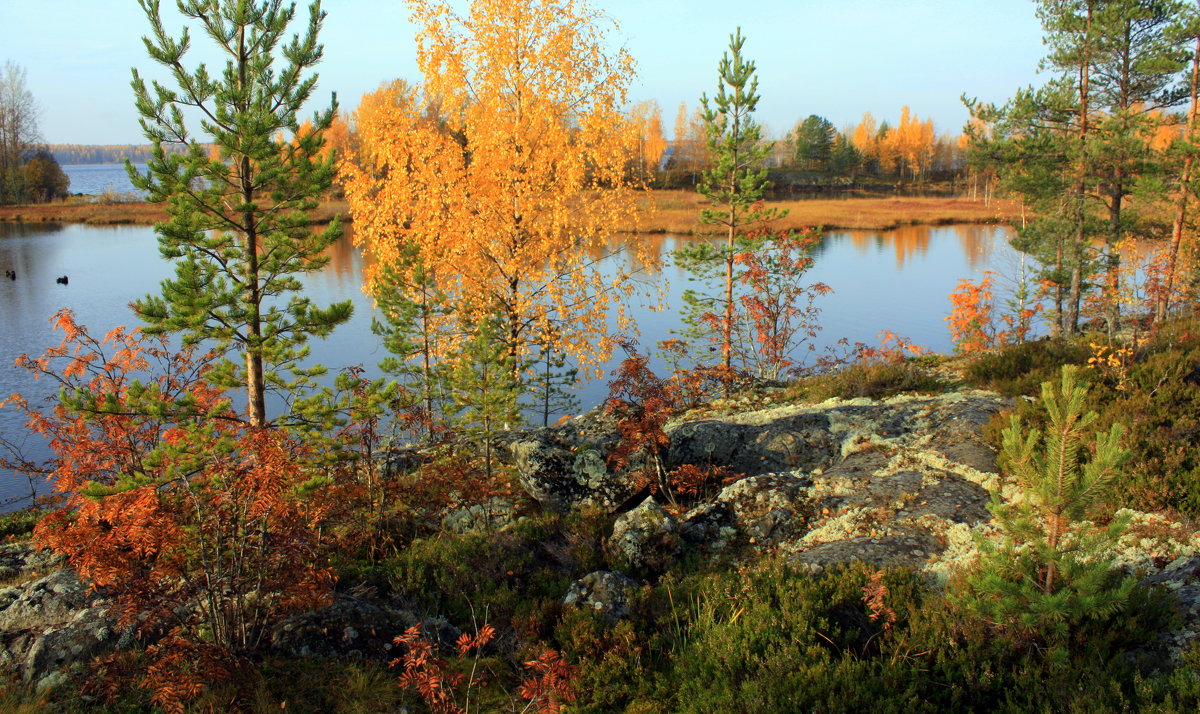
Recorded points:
(865, 137)
(515, 179)
(646, 118)
(681, 128)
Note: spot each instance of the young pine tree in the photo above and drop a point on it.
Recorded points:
(239, 228)
(416, 315)
(734, 184)
(485, 387)
(1051, 571)
(551, 385)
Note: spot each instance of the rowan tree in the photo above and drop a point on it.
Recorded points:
(197, 525)
(506, 172)
(239, 229)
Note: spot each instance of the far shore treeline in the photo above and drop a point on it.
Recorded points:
(104, 154)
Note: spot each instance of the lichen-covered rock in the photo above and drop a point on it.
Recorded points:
(561, 478)
(769, 508)
(603, 592)
(488, 517)
(646, 538)
(52, 622)
(956, 430)
(18, 560)
(709, 526)
(351, 627)
(952, 498)
(898, 550)
(1181, 580)
(756, 443)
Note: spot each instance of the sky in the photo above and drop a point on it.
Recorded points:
(834, 58)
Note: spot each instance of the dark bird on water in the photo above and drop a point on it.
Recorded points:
(10, 274)
(61, 281)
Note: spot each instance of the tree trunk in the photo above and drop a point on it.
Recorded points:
(1163, 303)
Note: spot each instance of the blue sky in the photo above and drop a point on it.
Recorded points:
(835, 58)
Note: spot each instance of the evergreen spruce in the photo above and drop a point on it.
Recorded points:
(239, 227)
(1052, 570)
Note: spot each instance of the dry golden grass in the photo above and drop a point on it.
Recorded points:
(678, 212)
(673, 212)
(76, 210)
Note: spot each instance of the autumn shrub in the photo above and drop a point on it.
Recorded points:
(199, 527)
(873, 379)
(1021, 368)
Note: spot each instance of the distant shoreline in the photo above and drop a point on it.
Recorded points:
(674, 212)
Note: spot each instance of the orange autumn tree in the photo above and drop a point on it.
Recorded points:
(505, 173)
(646, 118)
(970, 320)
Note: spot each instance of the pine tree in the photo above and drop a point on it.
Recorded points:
(415, 330)
(1052, 571)
(239, 228)
(552, 385)
(734, 184)
(485, 387)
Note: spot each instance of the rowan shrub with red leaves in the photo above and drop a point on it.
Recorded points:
(197, 525)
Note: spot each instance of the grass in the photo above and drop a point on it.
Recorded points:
(94, 210)
(662, 211)
(678, 212)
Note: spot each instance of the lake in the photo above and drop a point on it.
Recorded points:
(895, 280)
(95, 179)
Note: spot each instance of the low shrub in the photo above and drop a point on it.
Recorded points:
(872, 379)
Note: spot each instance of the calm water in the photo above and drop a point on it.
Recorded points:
(94, 179)
(896, 280)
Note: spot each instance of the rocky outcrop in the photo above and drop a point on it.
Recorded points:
(884, 481)
(49, 621)
(355, 627)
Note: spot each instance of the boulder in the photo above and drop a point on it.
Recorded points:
(52, 622)
(756, 443)
(354, 627)
(769, 508)
(603, 592)
(646, 538)
(560, 478)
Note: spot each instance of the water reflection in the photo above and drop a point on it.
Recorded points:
(894, 280)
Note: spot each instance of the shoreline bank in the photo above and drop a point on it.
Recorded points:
(675, 212)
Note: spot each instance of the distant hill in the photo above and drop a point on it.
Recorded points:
(98, 154)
